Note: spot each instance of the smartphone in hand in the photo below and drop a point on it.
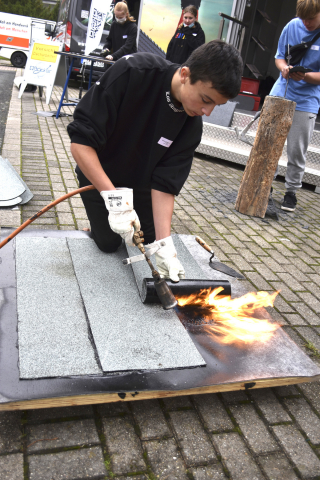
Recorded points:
(299, 68)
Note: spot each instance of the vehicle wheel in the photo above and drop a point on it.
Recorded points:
(30, 88)
(18, 59)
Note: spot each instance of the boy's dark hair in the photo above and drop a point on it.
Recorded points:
(219, 63)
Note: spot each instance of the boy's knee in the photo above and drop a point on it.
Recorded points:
(108, 245)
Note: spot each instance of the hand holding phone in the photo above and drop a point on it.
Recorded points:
(299, 68)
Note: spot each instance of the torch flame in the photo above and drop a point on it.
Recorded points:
(234, 318)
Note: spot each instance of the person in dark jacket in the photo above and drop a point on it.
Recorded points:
(188, 37)
(123, 34)
(134, 135)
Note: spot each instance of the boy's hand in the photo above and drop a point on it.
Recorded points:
(285, 71)
(168, 264)
(297, 76)
(123, 219)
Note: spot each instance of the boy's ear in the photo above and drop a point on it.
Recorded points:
(185, 73)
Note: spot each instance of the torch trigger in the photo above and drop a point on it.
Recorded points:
(147, 255)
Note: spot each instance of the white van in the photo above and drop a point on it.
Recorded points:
(16, 33)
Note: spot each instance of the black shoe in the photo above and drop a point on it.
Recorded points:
(289, 202)
(270, 194)
(271, 208)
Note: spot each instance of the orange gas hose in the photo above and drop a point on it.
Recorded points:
(42, 211)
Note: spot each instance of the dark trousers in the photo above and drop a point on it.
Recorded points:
(101, 233)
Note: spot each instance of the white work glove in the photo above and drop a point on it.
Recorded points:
(122, 217)
(168, 264)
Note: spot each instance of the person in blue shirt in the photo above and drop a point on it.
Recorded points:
(303, 88)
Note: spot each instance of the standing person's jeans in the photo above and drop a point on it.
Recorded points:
(298, 140)
(101, 233)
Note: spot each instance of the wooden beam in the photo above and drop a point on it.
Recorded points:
(274, 125)
(148, 395)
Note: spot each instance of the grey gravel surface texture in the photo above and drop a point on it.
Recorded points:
(39, 148)
(128, 334)
(52, 326)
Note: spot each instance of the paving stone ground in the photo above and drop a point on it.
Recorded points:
(271, 433)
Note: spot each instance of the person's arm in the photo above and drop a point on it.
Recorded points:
(162, 208)
(122, 217)
(168, 264)
(89, 164)
(312, 77)
(108, 44)
(282, 65)
(128, 47)
(168, 55)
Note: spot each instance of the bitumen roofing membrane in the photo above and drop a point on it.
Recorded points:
(128, 335)
(60, 282)
(53, 331)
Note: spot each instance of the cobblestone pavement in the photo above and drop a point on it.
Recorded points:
(272, 433)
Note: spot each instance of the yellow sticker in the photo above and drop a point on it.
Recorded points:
(44, 53)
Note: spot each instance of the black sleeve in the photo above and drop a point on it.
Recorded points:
(127, 48)
(194, 41)
(108, 43)
(96, 114)
(168, 55)
(172, 171)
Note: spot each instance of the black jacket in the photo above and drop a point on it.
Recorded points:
(140, 137)
(184, 42)
(122, 39)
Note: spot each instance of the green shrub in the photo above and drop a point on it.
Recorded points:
(30, 8)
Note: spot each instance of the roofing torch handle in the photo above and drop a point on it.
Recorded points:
(138, 241)
(204, 244)
(162, 288)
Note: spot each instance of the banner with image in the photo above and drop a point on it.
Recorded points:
(160, 18)
(98, 12)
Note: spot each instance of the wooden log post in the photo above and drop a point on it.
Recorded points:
(274, 125)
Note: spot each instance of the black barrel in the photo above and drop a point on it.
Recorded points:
(184, 287)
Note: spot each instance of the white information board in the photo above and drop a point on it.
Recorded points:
(42, 66)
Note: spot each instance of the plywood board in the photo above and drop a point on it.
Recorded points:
(227, 369)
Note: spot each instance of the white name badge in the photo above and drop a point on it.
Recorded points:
(125, 36)
(165, 142)
(314, 47)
